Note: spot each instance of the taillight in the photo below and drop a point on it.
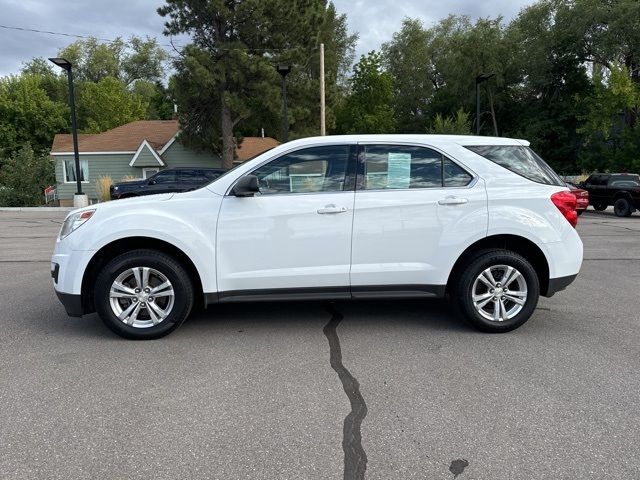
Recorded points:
(566, 203)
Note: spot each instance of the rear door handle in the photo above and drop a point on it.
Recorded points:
(453, 201)
(331, 209)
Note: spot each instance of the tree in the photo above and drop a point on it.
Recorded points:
(226, 80)
(128, 62)
(156, 96)
(27, 115)
(367, 109)
(108, 104)
(608, 133)
(23, 178)
(458, 124)
(406, 57)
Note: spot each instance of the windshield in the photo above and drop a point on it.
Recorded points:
(521, 160)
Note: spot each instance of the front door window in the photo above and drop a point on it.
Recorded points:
(318, 169)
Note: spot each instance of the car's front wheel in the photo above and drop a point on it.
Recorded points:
(497, 291)
(143, 294)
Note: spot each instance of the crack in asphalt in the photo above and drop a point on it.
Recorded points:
(355, 458)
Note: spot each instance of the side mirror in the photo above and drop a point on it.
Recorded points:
(247, 186)
(151, 182)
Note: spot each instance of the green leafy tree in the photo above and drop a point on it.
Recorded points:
(458, 124)
(406, 57)
(129, 62)
(156, 96)
(108, 104)
(23, 178)
(28, 115)
(609, 134)
(367, 108)
(54, 84)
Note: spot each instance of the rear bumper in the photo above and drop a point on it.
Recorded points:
(72, 303)
(558, 284)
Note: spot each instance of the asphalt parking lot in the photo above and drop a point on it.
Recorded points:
(274, 391)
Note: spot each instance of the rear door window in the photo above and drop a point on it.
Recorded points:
(622, 181)
(393, 167)
(521, 160)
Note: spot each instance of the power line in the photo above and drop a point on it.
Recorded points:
(73, 35)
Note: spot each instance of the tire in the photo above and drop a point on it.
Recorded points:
(579, 212)
(599, 207)
(169, 310)
(468, 282)
(622, 208)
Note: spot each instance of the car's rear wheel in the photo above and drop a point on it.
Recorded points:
(143, 294)
(622, 207)
(497, 292)
(599, 207)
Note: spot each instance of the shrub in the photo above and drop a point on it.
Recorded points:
(103, 185)
(23, 178)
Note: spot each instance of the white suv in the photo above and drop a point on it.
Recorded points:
(482, 220)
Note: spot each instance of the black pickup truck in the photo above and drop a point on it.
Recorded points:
(170, 180)
(622, 190)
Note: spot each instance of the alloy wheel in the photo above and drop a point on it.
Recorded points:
(499, 293)
(141, 297)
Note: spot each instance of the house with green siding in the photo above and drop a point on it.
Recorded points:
(135, 150)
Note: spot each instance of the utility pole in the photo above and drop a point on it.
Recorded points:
(323, 126)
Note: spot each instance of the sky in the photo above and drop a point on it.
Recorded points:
(374, 20)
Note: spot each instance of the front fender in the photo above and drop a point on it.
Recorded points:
(187, 222)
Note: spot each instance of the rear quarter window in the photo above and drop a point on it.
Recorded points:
(521, 160)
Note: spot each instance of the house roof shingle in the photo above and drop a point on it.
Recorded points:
(252, 146)
(126, 138)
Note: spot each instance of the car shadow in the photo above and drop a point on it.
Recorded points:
(429, 314)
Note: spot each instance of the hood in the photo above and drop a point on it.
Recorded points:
(126, 203)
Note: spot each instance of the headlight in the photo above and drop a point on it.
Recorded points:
(74, 221)
(115, 188)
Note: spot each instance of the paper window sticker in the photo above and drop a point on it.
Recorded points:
(399, 170)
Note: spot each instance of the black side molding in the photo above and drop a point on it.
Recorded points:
(558, 284)
(327, 293)
(72, 303)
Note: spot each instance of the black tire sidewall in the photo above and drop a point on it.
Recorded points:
(463, 292)
(599, 207)
(177, 275)
(622, 207)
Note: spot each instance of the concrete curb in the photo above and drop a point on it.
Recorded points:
(36, 209)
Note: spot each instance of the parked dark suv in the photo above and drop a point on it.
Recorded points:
(166, 181)
(622, 190)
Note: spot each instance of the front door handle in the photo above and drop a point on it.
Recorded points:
(453, 201)
(332, 209)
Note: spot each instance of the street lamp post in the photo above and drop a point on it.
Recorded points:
(79, 199)
(483, 77)
(284, 70)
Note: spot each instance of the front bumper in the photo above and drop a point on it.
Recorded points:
(72, 303)
(67, 271)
